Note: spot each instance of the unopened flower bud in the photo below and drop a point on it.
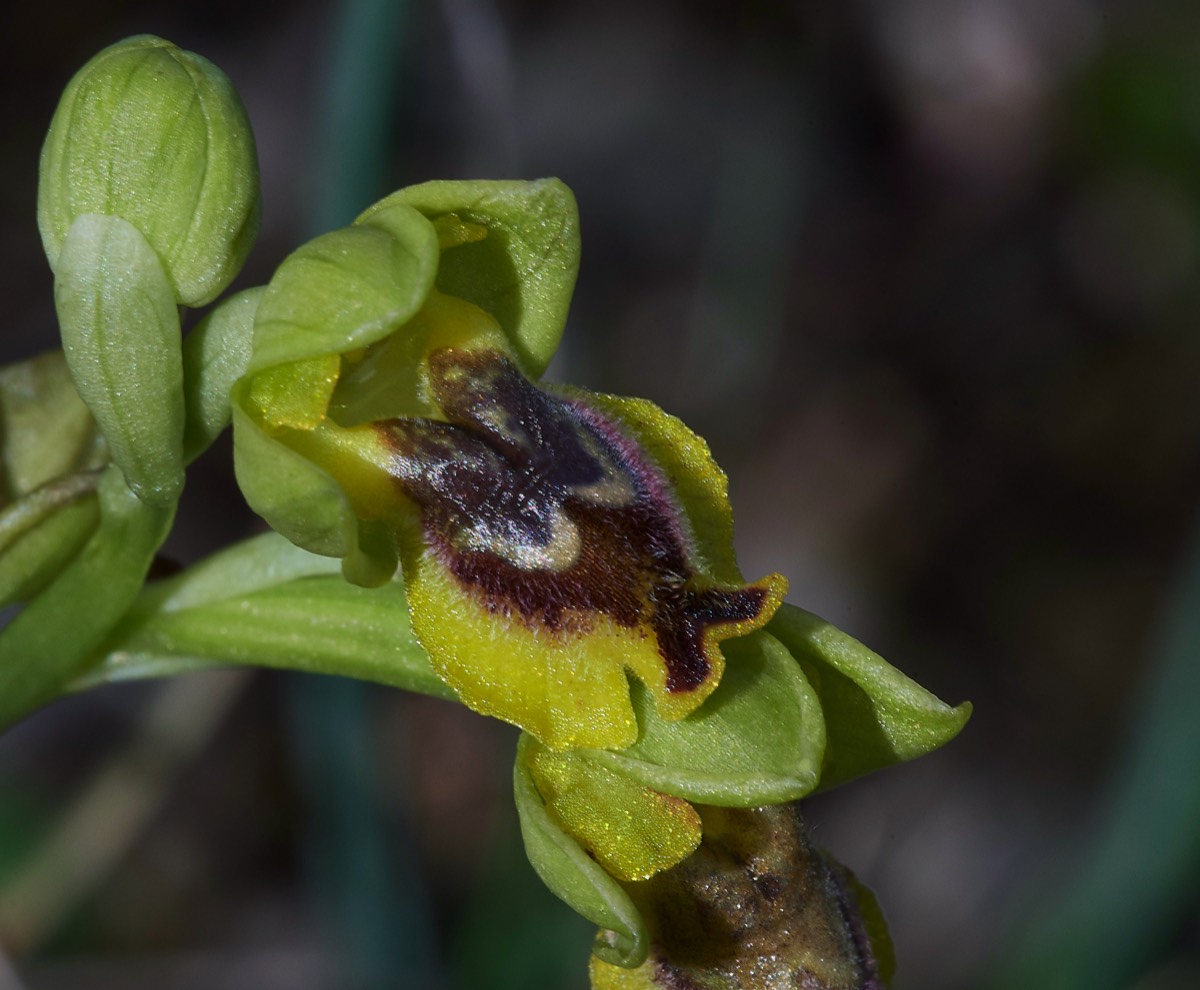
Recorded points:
(158, 137)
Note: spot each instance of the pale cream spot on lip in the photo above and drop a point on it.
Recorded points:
(558, 554)
(614, 489)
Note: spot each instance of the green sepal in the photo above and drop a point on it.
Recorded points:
(292, 494)
(46, 432)
(267, 603)
(759, 739)
(53, 638)
(523, 272)
(574, 877)
(121, 336)
(345, 290)
(875, 715)
(216, 354)
(157, 136)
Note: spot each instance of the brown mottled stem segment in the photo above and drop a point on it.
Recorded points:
(756, 907)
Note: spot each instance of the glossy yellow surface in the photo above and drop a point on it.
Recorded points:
(295, 395)
(566, 686)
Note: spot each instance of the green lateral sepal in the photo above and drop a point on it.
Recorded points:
(758, 740)
(575, 877)
(876, 716)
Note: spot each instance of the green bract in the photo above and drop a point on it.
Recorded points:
(120, 330)
(157, 136)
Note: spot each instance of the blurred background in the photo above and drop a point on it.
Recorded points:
(925, 274)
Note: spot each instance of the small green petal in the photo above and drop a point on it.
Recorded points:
(120, 330)
(523, 272)
(876, 716)
(216, 354)
(758, 740)
(575, 877)
(294, 395)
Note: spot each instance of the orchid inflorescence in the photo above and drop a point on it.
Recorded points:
(440, 520)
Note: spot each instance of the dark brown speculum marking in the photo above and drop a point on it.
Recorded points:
(547, 512)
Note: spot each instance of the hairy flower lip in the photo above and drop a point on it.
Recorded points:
(544, 519)
(542, 508)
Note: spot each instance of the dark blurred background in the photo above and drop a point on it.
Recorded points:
(924, 272)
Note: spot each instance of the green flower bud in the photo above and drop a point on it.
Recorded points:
(158, 137)
(215, 355)
(50, 451)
